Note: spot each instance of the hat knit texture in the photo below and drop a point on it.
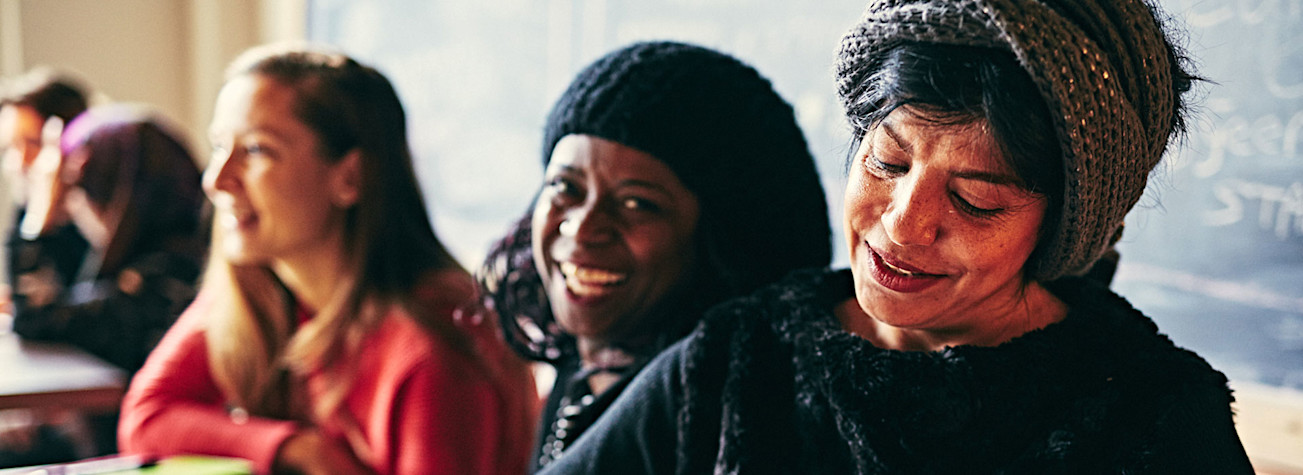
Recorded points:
(1104, 70)
(728, 137)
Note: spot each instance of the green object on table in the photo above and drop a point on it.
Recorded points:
(130, 465)
(196, 465)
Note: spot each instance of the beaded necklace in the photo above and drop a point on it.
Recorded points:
(579, 408)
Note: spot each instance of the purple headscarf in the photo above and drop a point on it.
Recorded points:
(142, 178)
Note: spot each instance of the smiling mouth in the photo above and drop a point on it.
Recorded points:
(899, 270)
(590, 282)
(900, 267)
(896, 278)
(235, 219)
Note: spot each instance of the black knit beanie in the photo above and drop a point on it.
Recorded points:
(728, 137)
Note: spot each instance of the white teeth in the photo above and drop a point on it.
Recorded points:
(587, 282)
(897, 269)
(232, 218)
(590, 275)
(229, 220)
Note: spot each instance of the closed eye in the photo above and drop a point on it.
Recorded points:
(974, 210)
(878, 166)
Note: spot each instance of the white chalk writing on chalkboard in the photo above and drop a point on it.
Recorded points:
(1280, 209)
(1264, 136)
(1205, 14)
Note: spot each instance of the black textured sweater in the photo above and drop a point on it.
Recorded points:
(772, 384)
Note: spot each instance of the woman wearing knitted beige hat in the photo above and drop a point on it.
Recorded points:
(998, 145)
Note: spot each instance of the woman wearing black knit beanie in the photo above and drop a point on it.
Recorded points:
(998, 145)
(676, 178)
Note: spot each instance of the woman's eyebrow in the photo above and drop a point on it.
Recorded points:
(895, 137)
(989, 177)
(647, 185)
(564, 170)
(993, 178)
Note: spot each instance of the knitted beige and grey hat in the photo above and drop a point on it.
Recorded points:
(1104, 68)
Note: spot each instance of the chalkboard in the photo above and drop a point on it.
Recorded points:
(1214, 253)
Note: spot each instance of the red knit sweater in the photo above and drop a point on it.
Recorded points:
(422, 407)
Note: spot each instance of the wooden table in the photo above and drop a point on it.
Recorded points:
(45, 375)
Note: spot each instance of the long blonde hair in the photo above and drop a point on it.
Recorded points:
(255, 353)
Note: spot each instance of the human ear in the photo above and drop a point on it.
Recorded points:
(346, 180)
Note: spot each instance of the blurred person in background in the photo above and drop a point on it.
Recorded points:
(324, 338)
(34, 108)
(130, 186)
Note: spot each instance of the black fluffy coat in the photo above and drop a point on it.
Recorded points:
(786, 390)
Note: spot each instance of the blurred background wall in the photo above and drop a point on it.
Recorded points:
(166, 53)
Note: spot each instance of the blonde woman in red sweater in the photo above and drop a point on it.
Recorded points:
(322, 340)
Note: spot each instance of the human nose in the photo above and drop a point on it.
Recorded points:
(589, 224)
(220, 174)
(911, 218)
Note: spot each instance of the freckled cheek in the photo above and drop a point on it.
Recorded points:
(989, 253)
(982, 255)
(864, 204)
